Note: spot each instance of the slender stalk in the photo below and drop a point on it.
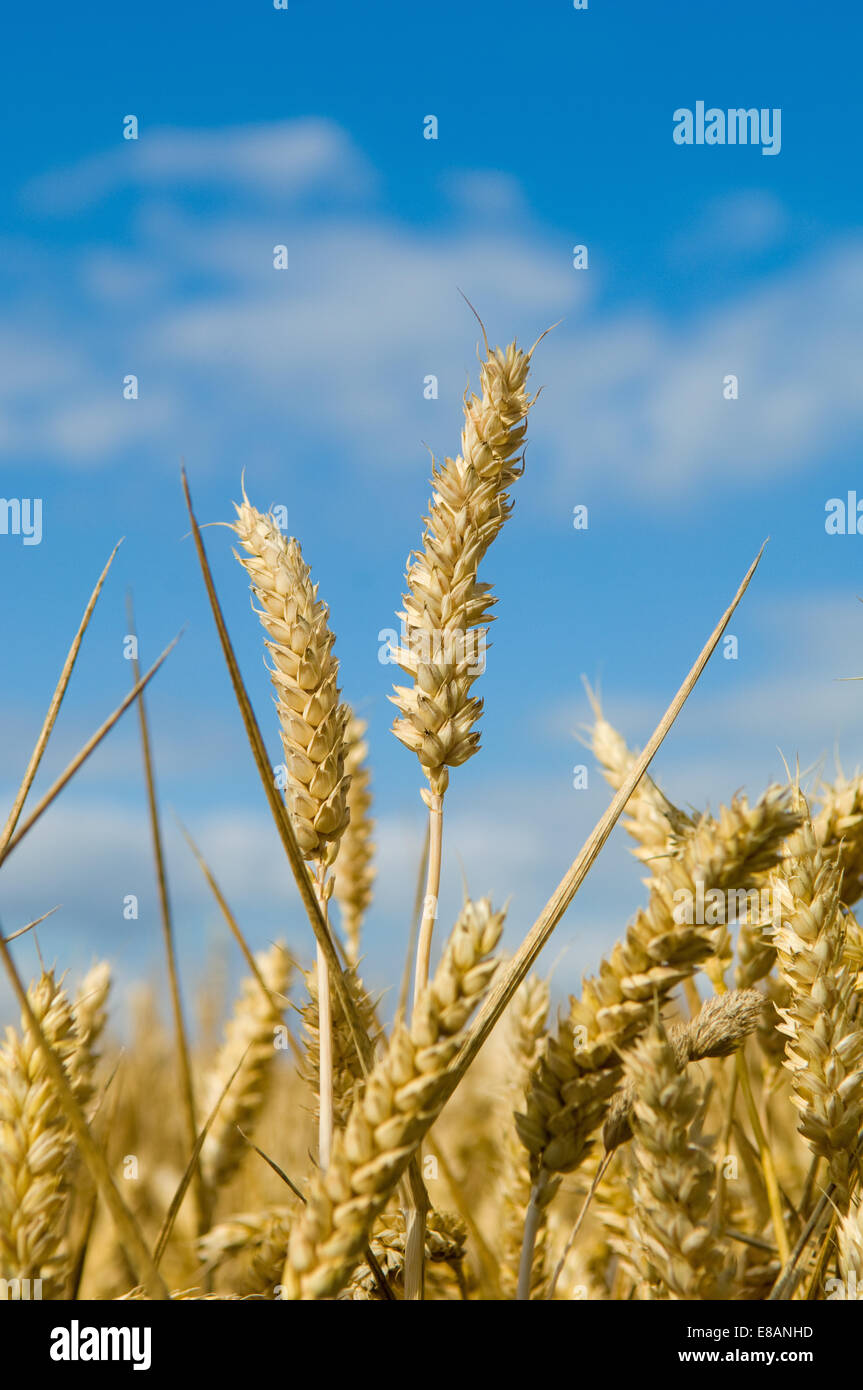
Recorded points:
(326, 1123)
(415, 1217)
(422, 870)
(233, 924)
(430, 902)
(7, 846)
(533, 1216)
(579, 1221)
(485, 1254)
(53, 711)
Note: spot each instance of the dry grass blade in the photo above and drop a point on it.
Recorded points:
(233, 924)
(184, 1064)
(177, 1199)
(13, 936)
(279, 810)
(53, 711)
(89, 747)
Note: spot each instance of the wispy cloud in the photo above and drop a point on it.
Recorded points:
(287, 159)
(368, 309)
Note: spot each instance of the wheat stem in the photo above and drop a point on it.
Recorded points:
(430, 902)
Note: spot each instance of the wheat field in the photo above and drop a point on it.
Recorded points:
(688, 1127)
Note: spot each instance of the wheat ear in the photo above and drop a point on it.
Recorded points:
(354, 870)
(838, 827)
(677, 1251)
(445, 1240)
(347, 1071)
(824, 1048)
(849, 1244)
(313, 722)
(250, 1044)
(90, 1015)
(720, 1028)
(579, 1067)
(653, 822)
(403, 1096)
(446, 609)
(35, 1143)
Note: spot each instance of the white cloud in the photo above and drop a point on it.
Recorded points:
(286, 159)
(369, 307)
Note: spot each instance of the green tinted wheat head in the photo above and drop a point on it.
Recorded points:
(250, 1044)
(35, 1143)
(402, 1098)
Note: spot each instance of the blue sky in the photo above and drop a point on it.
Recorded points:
(154, 257)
